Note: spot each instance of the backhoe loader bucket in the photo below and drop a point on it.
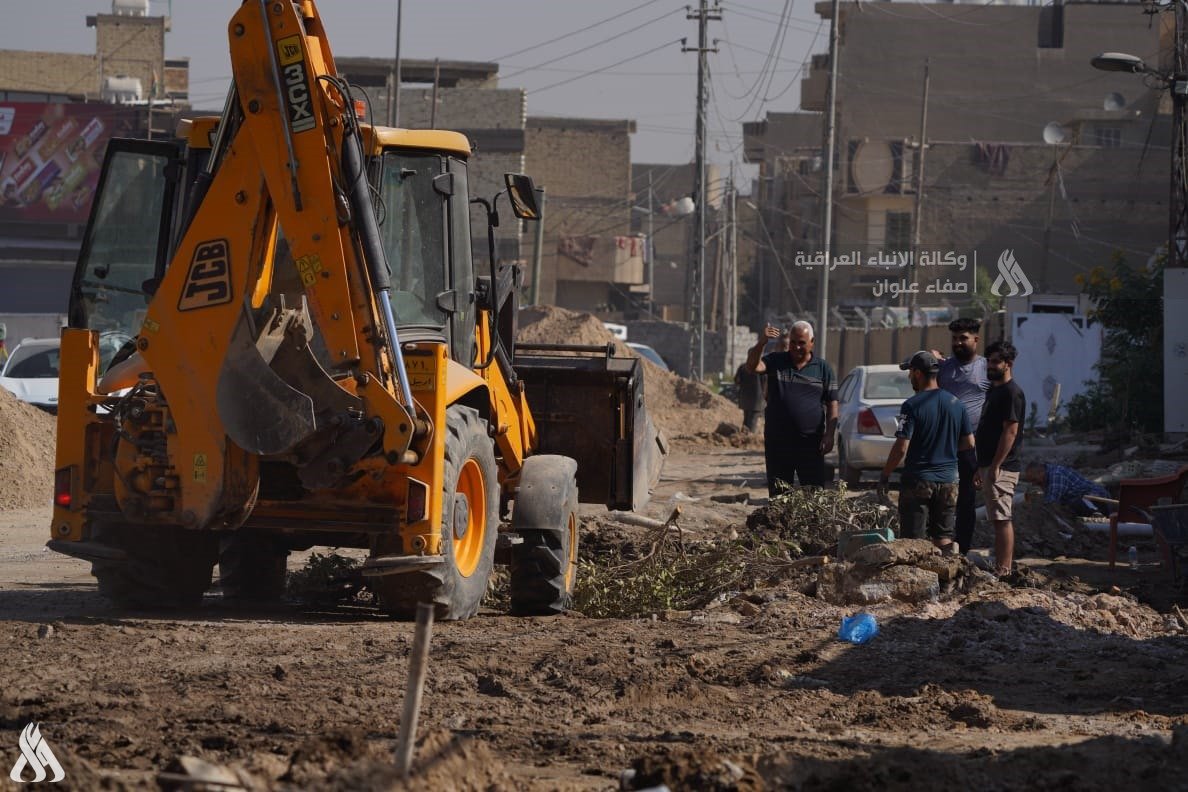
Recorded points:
(589, 405)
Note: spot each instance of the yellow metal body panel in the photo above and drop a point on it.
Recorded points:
(376, 139)
(79, 366)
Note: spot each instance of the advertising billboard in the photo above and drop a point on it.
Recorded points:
(50, 156)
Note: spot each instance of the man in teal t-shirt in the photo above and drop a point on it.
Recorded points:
(932, 426)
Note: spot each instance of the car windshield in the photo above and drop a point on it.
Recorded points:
(887, 385)
(37, 363)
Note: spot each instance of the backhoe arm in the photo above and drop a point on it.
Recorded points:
(243, 373)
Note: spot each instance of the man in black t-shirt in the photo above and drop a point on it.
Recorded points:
(998, 439)
(800, 421)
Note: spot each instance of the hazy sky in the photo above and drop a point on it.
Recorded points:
(657, 89)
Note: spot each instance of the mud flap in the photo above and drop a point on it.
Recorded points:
(590, 406)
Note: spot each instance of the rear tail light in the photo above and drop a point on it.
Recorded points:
(63, 490)
(867, 423)
(418, 500)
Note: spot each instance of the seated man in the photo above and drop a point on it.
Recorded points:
(1067, 487)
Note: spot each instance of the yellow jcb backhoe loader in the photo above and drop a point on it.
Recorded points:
(312, 359)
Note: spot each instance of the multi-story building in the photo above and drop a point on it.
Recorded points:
(1028, 148)
(590, 260)
(57, 111)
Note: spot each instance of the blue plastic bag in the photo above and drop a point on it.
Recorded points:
(858, 629)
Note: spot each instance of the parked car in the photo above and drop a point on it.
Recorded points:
(31, 371)
(645, 351)
(869, 401)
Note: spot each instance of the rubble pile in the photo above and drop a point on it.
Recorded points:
(680, 407)
(908, 570)
(810, 519)
(26, 454)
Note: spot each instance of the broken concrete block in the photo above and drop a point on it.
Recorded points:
(907, 583)
(901, 551)
(946, 567)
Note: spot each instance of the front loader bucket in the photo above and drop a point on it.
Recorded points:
(589, 405)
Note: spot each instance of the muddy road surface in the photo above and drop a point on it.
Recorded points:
(1006, 688)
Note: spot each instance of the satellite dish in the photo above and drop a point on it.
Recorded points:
(1055, 132)
(872, 166)
(1114, 101)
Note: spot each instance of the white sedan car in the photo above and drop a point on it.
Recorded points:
(869, 401)
(31, 371)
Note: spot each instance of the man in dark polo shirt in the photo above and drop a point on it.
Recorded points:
(933, 427)
(801, 417)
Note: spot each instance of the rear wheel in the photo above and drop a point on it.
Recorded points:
(850, 475)
(252, 567)
(470, 525)
(166, 567)
(544, 514)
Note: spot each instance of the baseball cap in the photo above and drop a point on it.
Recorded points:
(921, 361)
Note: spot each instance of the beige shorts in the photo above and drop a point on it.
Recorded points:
(1000, 495)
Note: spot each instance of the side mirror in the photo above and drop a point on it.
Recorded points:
(522, 193)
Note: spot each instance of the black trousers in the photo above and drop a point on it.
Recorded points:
(751, 419)
(791, 457)
(967, 466)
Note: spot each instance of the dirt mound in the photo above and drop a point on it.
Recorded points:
(443, 761)
(931, 708)
(680, 407)
(26, 454)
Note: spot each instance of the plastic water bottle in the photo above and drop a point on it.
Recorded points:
(858, 629)
(1132, 554)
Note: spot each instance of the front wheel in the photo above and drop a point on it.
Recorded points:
(469, 528)
(544, 514)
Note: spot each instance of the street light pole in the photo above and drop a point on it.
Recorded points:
(651, 251)
(822, 343)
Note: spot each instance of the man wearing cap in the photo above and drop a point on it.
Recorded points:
(963, 374)
(932, 427)
(801, 417)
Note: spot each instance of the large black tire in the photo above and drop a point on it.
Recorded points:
(468, 531)
(850, 475)
(252, 567)
(544, 514)
(165, 568)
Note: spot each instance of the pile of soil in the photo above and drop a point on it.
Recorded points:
(1047, 531)
(680, 407)
(26, 454)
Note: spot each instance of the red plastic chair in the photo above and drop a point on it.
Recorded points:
(1136, 496)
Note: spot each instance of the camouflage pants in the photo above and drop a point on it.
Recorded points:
(927, 509)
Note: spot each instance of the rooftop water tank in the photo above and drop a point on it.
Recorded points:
(122, 90)
(130, 7)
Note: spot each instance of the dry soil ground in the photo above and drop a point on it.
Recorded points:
(1007, 689)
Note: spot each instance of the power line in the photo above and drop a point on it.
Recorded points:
(611, 66)
(641, 26)
(576, 32)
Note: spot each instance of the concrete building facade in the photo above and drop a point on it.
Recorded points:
(590, 260)
(999, 76)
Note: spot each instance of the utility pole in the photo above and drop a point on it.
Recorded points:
(704, 16)
(1177, 254)
(651, 251)
(538, 248)
(436, 82)
(919, 199)
(822, 343)
(396, 77)
(732, 315)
